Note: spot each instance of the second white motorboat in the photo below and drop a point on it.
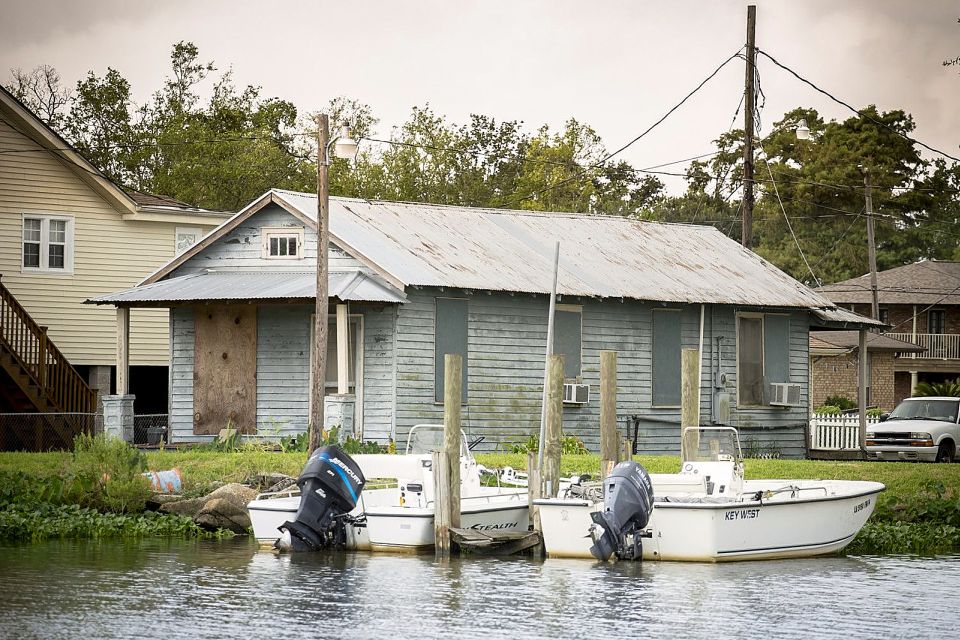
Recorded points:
(708, 512)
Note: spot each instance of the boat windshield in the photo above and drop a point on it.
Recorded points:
(710, 445)
(923, 409)
(425, 438)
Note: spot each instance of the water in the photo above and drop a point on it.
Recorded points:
(163, 589)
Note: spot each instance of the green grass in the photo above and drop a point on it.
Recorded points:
(919, 512)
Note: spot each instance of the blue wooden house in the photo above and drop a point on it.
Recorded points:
(410, 282)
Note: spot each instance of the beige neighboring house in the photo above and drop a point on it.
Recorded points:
(69, 234)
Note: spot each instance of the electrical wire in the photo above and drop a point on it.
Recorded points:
(855, 110)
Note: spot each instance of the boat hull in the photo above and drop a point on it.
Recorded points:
(388, 528)
(784, 527)
(411, 529)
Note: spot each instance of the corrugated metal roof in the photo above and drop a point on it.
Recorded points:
(839, 317)
(600, 256)
(355, 286)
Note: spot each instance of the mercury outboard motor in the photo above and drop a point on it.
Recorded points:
(330, 485)
(627, 505)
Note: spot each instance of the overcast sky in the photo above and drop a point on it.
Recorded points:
(617, 66)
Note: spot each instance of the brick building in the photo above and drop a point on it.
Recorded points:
(920, 303)
(834, 367)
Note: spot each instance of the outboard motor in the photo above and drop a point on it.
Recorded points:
(330, 485)
(627, 505)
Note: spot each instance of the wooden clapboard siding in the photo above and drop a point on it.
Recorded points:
(506, 341)
(378, 371)
(182, 340)
(110, 254)
(241, 248)
(283, 369)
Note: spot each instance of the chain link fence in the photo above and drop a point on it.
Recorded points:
(45, 431)
(150, 429)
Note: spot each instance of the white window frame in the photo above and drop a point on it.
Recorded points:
(68, 244)
(196, 232)
(753, 316)
(267, 233)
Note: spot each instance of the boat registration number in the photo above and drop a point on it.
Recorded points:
(863, 505)
(742, 514)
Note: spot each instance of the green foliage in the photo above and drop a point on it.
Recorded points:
(32, 523)
(569, 445)
(753, 448)
(828, 409)
(106, 474)
(948, 388)
(349, 444)
(842, 402)
(874, 413)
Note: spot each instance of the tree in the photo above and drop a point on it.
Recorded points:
(41, 90)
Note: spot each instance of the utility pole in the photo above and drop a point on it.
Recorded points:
(871, 248)
(748, 106)
(322, 308)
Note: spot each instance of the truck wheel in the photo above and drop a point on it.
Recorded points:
(945, 451)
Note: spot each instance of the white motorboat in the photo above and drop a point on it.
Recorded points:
(708, 512)
(399, 516)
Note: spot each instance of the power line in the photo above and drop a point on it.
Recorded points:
(786, 217)
(853, 109)
(634, 140)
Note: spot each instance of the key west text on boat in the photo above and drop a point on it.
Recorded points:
(707, 512)
(396, 517)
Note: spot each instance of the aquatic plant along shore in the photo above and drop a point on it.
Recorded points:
(919, 513)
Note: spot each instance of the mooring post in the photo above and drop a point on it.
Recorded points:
(627, 450)
(447, 464)
(689, 399)
(608, 412)
(534, 489)
(551, 445)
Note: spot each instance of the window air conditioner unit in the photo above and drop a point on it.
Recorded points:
(785, 394)
(576, 393)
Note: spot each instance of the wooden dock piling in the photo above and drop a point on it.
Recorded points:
(446, 463)
(608, 412)
(551, 444)
(689, 398)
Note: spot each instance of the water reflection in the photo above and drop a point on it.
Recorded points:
(221, 589)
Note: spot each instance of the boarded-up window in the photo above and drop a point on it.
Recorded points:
(225, 369)
(750, 360)
(568, 339)
(776, 348)
(666, 358)
(451, 337)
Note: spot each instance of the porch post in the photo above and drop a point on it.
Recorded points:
(123, 351)
(914, 381)
(862, 388)
(343, 355)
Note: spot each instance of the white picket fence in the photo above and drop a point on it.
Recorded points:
(836, 432)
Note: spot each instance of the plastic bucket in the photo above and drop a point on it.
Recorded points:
(165, 481)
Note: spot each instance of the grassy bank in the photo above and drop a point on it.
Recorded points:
(919, 512)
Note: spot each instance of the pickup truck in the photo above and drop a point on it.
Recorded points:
(925, 429)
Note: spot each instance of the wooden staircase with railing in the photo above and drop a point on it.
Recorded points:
(43, 375)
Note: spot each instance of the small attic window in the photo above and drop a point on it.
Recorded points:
(285, 243)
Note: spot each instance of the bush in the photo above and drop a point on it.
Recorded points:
(108, 472)
(828, 409)
(843, 402)
(569, 445)
(948, 388)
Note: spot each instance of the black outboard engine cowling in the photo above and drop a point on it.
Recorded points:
(627, 505)
(330, 486)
